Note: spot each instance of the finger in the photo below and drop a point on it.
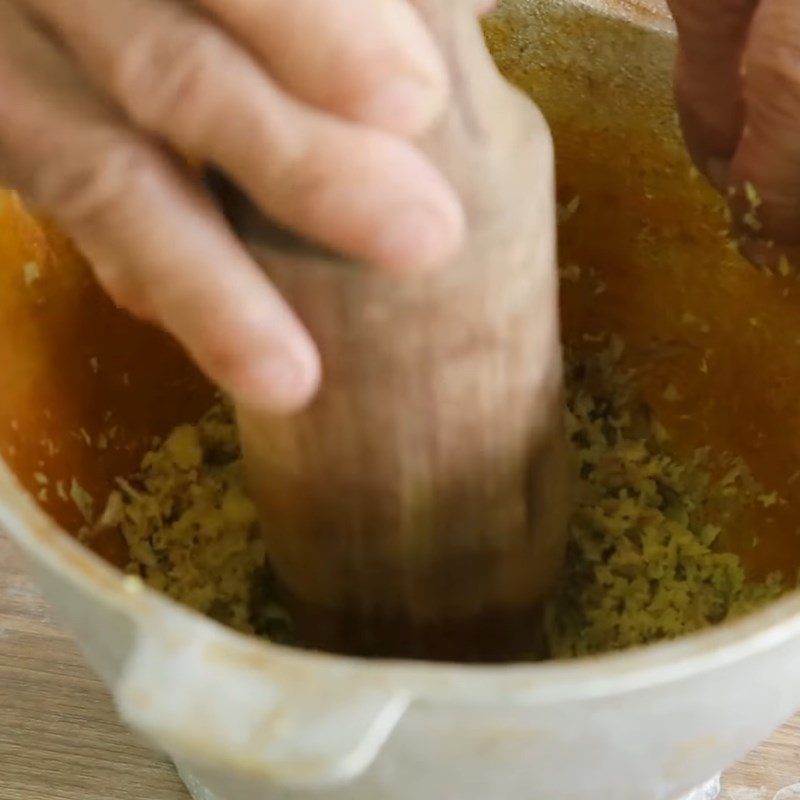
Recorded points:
(357, 190)
(711, 36)
(371, 62)
(156, 242)
(766, 167)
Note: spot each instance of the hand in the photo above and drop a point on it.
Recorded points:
(309, 105)
(738, 91)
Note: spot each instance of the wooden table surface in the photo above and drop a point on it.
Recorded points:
(60, 739)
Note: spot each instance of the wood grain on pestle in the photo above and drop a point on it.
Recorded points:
(417, 508)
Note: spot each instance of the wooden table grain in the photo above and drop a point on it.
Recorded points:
(60, 739)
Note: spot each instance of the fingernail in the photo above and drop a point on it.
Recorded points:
(281, 384)
(405, 105)
(419, 238)
(718, 173)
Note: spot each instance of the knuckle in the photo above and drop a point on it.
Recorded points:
(360, 72)
(167, 73)
(95, 181)
(124, 290)
(296, 179)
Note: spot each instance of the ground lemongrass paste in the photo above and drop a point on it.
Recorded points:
(642, 564)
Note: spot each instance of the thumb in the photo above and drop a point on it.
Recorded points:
(766, 167)
(711, 40)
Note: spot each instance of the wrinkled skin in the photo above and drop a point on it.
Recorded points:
(738, 92)
(311, 106)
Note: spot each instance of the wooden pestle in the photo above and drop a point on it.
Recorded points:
(417, 508)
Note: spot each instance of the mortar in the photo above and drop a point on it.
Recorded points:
(245, 719)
